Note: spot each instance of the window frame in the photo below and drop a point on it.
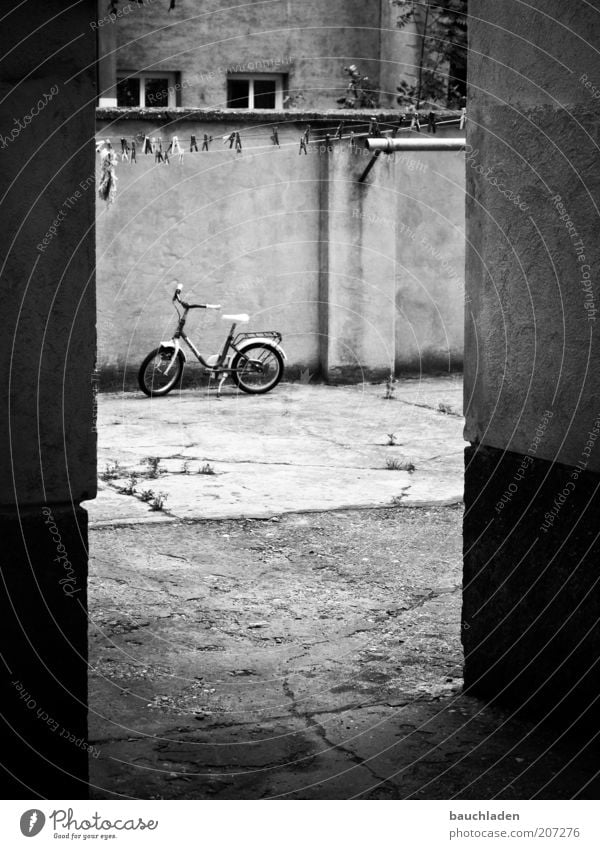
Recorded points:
(278, 79)
(172, 87)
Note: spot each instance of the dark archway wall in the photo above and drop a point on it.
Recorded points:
(532, 382)
(47, 355)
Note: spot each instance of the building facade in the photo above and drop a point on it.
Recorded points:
(258, 55)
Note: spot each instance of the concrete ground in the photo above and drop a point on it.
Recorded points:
(289, 625)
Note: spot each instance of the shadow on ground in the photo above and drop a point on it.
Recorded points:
(307, 656)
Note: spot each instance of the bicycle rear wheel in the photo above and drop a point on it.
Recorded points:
(153, 377)
(257, 369)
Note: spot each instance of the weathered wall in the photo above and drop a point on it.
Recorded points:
(47, 352)
(294, 240)
(430, 257)
(239, 230)
(531, 606)
(531, 264)
(310, 41)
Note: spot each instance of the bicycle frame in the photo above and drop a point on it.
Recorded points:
(233, 342)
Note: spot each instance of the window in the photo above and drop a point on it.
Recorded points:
(155, 88)
(254, 92)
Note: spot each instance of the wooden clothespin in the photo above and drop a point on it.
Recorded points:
(374, 129)
(133, 153)
(431, 127)
(339, 131)
(193, 144)
(275, 136)
(303, 145)
(307, 134)
(238, 143)
(176, 149)
(463, 118)
(229, 138)
(206, 142)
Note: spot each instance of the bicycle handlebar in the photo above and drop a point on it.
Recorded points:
(192, 306)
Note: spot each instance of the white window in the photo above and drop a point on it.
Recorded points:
(254, 91)
(151, 88)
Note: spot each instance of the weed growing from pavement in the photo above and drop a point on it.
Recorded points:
(447, 409)
(185, 467)
(206, 469)
(158, 501)
(130, 487)
(397, 499)
(153, 464)
(390, 388)
(112, 471)
(147, 495)
(399, 465)
(392, 439)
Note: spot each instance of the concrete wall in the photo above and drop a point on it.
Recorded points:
(310, 41)
(359, 277)
(47, 352)
(531, 379)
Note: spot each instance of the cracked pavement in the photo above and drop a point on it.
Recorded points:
(248, 653)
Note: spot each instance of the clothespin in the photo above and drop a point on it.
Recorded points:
(176, 149)
(352, 143)
(374, 127)
(238, 143)
(275, 136)
(463, 118)
(206, 142)
(133, 153)
(229, 138)
(193, 145)
(302, 145)
(307, 134)
(414, 118)
(431, 127)
(339, 131)
(158, 155)
(328, 145)
(147, 145)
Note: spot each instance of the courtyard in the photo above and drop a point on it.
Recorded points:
(281, 618)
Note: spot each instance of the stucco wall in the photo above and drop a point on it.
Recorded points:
(294, 240)
(310, 41)
(533, 265)
(47, 292)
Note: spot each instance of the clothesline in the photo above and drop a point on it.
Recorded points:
(154, 143)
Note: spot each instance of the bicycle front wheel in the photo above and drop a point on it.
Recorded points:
(153, 377)
(257, 369)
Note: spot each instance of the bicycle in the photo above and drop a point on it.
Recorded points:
(255, 361)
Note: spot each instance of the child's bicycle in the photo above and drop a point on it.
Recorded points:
(254, 360)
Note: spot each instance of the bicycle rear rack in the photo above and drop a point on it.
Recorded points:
(265, 334)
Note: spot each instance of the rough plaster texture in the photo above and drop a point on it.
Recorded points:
(311, 42)
(239, 230)
(530, 606)
(48, 448)
(531, 331)
(47, 354)
(356, 276)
